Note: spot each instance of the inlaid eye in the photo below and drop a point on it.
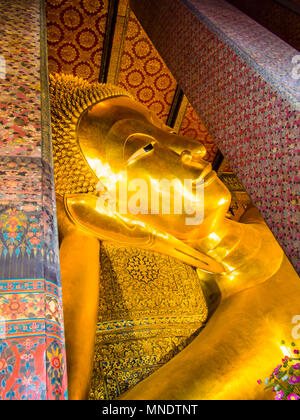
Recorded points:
(148, 147)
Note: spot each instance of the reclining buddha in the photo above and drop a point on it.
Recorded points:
(141, 275)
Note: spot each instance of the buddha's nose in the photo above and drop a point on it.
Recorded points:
(195, 161)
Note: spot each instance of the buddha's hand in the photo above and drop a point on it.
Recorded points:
(167, 244)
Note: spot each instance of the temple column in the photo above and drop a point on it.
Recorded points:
(32, 350)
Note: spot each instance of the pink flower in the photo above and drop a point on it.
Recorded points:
(276, 370)
(279, 395)
(259, 382)
(296, 351)
(294, 380)
(293, 397)
(296, 366)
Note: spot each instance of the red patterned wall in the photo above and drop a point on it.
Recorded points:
(194, 128)
(76, 31)
(144, 73)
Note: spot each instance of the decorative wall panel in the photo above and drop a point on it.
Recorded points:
(118, 42)
(76, 31)
(144, 74)
(32, 352)
(241, 79)
(194, 128)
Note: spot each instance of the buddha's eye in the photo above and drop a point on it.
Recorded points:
(139, 153)
(148, 147)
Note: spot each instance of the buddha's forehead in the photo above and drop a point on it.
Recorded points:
(103, 129)
(118, 108)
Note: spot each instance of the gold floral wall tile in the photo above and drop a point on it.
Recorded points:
(75, 32)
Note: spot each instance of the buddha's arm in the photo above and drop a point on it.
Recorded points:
(79, 256)
(240, 344)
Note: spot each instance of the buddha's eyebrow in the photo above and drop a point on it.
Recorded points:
(140, 152)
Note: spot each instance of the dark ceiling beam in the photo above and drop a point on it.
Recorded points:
(217, 162)
(113, 6)
(171, 121)
(290, 4)
(175, 107)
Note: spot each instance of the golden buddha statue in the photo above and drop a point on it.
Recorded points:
(102, 136)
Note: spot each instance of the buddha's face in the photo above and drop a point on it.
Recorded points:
(121, 139)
